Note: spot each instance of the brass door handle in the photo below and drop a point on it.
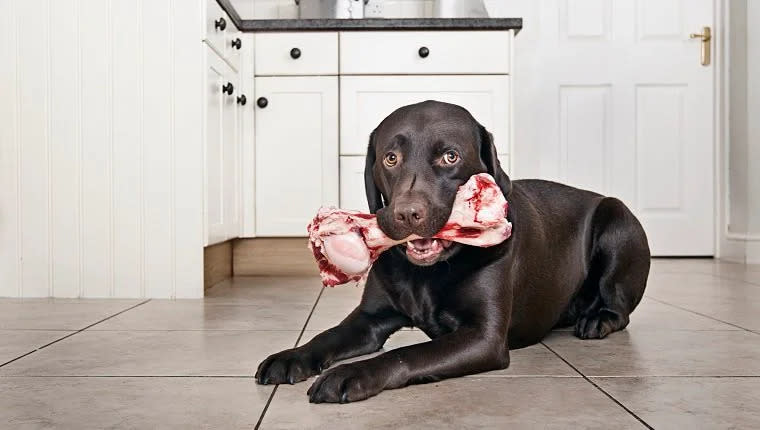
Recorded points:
(706, 37)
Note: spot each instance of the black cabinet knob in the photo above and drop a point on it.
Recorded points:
(220, 24)
(228, 88)
(295, 53)
(424, 52)
(242, 100)
(262, 102)
(237, 43)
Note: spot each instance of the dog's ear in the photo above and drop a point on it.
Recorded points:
(374, 197)
(491, 160)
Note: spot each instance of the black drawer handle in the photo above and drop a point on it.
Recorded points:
(237, 43)
(262, 102)
(220, 24)
(242, 100)
(295, 53)
(228, 88)
(424, 52)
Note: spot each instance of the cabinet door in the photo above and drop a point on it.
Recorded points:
(352, 195)
(216, 72)
(367, 100)
(217, 25)
(296, 151)
(231, 159)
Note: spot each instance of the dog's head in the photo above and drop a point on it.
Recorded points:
(416, 160)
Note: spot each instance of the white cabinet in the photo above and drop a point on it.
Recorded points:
(288, 54)
(296, 151)
(352, 195)
(221, 34)
(300, 164)
(425, 52)
(222, 150)
(367, 100)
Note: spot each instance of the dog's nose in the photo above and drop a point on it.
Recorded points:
(410, 214)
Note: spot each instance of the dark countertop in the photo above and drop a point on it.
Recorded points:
(369, 24)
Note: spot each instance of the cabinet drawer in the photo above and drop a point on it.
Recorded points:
(367, 100)
(425, 52)
(296, 54)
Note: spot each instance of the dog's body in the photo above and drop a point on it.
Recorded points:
(574, 258)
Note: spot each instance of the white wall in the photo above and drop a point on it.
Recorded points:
(743, 214)
(101, 150)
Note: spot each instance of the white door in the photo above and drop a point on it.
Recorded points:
(296, 151)
(611, 96)
(367, 100)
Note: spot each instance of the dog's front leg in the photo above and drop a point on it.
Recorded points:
(360, 333)
(462, 352)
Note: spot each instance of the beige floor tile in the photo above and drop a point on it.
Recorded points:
(663, 353)
(154, 353)
(15, 343)
(478, 402)
(260, 290)
(201, 315)
(653, 315)
(334, 305)
(136, 403)
(735, 302)
(58, 314)
(690, 403)
(727, 270)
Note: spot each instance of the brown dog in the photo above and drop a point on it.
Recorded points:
(575, 258)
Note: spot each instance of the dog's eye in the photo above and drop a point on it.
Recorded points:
(450, 157)
(390, 159)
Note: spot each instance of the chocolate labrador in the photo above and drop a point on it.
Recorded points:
(574, 258)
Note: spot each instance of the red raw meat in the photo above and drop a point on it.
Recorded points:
(345, 243)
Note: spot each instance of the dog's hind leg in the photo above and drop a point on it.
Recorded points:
(620, 262)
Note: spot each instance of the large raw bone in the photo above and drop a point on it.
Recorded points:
(345, 243)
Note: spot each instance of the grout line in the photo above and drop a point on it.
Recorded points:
(266, 407)
(75, 332)
(249, 376)
(271, 396)
(673, 376)
(308, 318)
(132, 376)
(173, 330)
(598, 387)
(701, 314)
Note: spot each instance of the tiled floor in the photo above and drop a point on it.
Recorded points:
(689, 359)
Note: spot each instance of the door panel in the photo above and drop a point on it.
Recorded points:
(612, 97)
(296, 152)
(352, 195)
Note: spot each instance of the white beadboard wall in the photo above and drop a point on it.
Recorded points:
(101, 148)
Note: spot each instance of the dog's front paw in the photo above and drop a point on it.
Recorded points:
(346, 383)
(289, 366)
